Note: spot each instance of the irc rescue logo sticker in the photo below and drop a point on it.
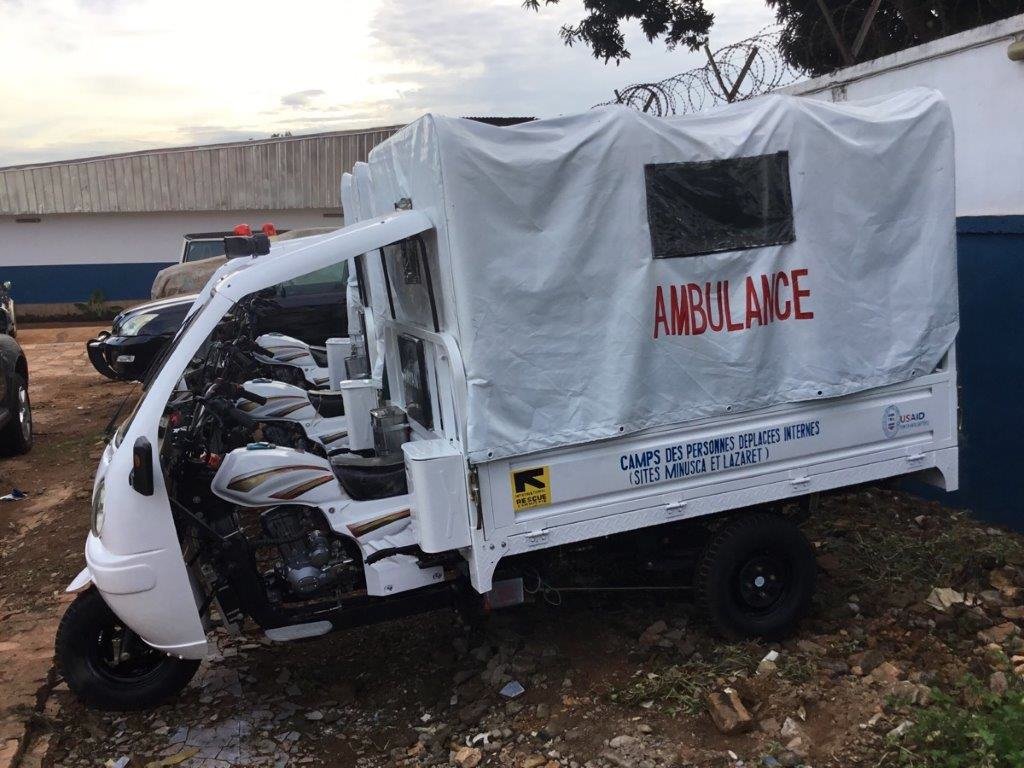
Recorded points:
(530, 488)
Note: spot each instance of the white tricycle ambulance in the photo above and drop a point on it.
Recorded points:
(572, 329)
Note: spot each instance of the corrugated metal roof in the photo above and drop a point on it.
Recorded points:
(292, 172)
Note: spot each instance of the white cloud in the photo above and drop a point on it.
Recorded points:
(95, 76)
(301, 99)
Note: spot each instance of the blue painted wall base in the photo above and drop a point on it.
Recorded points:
(67, 283)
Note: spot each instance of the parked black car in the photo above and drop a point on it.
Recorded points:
(15, 408)
(136, 337)
(312, 308)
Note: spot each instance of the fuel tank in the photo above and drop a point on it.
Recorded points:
(287, 349)
(284, 401)
(264, 475)
(287, 401)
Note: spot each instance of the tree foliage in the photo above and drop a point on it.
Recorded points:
(809, 44)
(679, 22)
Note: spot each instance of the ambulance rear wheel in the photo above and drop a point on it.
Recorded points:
(756, 577)
(107, 666)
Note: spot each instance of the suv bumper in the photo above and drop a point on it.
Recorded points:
(124, 357)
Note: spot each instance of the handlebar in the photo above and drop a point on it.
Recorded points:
(221, 388)
(243, 345)
(244, 394)
(226, 410)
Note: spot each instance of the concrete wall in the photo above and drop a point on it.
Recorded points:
(985, 91)
(64, 258)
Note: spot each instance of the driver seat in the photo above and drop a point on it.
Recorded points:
(319, 355)
(375, 477)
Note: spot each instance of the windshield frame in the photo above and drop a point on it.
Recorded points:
(417, 245)
(151, 374)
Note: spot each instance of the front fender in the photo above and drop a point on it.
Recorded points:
(81, 581)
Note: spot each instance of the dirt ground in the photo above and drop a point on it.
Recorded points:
(43, 535)
(611, 678)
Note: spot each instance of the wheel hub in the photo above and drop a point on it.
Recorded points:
(762, 580)
(121, 655)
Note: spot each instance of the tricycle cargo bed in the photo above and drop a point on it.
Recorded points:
(558, 497)
(611, 273)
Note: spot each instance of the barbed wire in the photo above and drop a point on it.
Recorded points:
(808, 45)
(734, 72)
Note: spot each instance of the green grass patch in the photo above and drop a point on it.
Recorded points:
(883, 552)
(797, 668)
(972, 728)
(683, 688)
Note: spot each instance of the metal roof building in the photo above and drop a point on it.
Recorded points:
(106, 225)
(279, 174)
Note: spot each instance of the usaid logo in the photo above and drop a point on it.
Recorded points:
(891, 421)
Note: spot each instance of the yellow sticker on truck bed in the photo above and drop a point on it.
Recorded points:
(530, 488)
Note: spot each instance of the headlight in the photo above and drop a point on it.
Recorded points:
(97, 508)
(134, 325)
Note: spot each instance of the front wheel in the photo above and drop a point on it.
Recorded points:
(107, 666)
(756, 577)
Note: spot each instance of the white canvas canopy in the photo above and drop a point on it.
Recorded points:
(606, 273)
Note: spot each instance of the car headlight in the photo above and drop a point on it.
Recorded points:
(134, 325)
(96, 523)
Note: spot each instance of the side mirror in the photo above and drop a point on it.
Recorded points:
(141, 477)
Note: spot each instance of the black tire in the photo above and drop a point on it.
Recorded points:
(16, 436)
(756, 577)
(83, 656)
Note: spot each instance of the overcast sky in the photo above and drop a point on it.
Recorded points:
(86, 77)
